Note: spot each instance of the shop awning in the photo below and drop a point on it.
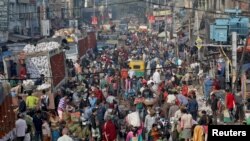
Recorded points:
(5, 53)
(18, 38)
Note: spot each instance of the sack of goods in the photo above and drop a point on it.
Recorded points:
(149, 101)
(133, 119)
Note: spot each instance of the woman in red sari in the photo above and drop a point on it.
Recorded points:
(109, 131)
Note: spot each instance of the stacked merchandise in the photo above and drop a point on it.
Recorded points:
(39, 64)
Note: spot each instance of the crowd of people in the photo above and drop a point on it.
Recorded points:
(95, 102)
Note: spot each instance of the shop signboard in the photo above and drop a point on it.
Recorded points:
(4, 6)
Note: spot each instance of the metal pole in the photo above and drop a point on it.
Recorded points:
(94, 8)
(234, 59)
(172, 24)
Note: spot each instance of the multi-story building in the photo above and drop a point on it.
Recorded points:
(23, 17)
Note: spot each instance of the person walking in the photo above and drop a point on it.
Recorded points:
(21, 127)
(230, 103)
(65, 136)
(239, 115)
(214, 107)
(109, 130)
(193, 107)
(186, 125)
(46, 131)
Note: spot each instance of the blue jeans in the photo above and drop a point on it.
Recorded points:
(55, 135)
(38, 136)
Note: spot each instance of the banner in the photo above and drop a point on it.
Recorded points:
(45, 27)
(94, 20)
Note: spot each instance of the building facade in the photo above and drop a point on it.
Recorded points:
(23, 17)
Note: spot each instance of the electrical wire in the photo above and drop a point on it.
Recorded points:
(75, 8)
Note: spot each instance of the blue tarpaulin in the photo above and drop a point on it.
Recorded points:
(5, 53)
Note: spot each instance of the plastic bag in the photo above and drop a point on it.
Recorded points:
(133, 119)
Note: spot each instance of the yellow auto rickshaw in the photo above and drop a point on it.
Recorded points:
(138, 66)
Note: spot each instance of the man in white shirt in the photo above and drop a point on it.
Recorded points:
(65, 136)
(21, 127)
(157, 77)
(131, 73)
(149, 121)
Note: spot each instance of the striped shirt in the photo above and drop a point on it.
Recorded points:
(62, 104)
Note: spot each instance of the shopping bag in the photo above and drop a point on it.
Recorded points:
(227, 117)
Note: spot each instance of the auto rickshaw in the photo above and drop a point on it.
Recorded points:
(138, 66)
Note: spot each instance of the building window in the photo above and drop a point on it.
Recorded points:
(201, 3)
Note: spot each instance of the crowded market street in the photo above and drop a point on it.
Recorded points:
(112, 81)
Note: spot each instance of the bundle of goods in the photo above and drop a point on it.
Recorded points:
(133, 119)
(72, 120)
(44, 86)
(149, 101)
(68, 32)
(37, 65)
(41, 47)
(28, 84)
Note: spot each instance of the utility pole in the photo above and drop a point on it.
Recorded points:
(172, 23)
(234, 59)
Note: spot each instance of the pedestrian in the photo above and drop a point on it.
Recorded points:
(239, 115)
(65, 136)
(208, 83)
(46, 130)
(214, 107)
(54, 123)
(62, 106)
(230, 103)
(193, 107)
(21, 127)
(37, 121)
(95, 132)
(186, 125)
(44, 101)
(21, 105)
(149, 121)
(109, 130)
(154, 134)
(31, 101)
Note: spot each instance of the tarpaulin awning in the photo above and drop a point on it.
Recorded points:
(5, 53)
(17, 38)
